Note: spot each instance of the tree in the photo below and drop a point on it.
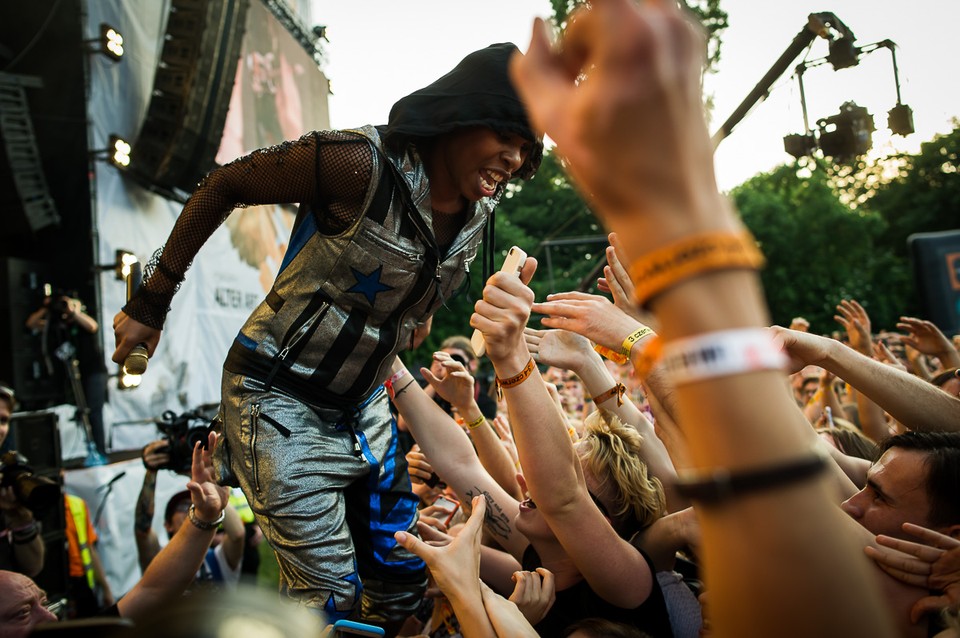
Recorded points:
(818, 249)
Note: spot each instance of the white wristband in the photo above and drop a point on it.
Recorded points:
(720, 354)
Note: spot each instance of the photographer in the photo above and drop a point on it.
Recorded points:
(21, 547)
(223, 560)
(62, 319)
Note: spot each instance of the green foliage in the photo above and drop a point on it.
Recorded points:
(708, 12)
(818, 249)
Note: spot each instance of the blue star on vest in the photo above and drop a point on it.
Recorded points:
(369, 285)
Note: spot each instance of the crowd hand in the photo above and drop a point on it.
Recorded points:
(856, 322)
(534, 593)
(617, 283)
(507, 619)
(427, 518)
(209, 499)
(800, 324)
(933, 565)
(417, 466)
(502, 426)
(560, 348)
(502, 313)
(883, 354)
(129, 332)
(925, 337)
(455, 565)
(592, 316)
(455, 384)
(14, 513)
(620, 95)
(156, 454)
(802, 348)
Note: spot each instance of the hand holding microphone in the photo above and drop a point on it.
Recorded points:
(138, 357)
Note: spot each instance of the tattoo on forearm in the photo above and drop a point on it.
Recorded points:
(143, 517)
(496, 520)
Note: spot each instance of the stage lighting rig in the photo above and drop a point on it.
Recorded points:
(110, 43)
(848, 134)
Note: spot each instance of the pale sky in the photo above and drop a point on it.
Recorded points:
(380, 50)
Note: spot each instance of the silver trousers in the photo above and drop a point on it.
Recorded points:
(329, 488)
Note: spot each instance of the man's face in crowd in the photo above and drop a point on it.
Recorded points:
(896, 493)
(21, 605)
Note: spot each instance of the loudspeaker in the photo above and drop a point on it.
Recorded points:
(936, 269)
(181, 133)
(25, 367)
(36, 435)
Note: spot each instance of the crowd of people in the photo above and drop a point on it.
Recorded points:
(653, 460)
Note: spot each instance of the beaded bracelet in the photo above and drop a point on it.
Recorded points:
(516, 379)
(665, 267)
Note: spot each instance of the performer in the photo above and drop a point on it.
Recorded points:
(389, 223)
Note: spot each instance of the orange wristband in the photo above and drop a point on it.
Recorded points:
(650, 356)
(613, 355)
(615, 391)
(516, 379)
(691, 256)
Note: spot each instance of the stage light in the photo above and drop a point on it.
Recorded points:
(900, 120)
(799, 144)
(847, 134)
(111, 42)
(125, 259)
(843, 53)
(118, 152)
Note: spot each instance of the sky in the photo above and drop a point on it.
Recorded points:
(381, 50)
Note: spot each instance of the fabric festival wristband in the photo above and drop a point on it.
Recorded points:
(691, 256)
(612, 355)
(516, 379)
(615, 391)
(389, 383)
(720, 354)
(475, 424)
(717, 486)
(634, 337)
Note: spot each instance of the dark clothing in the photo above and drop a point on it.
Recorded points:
(580, 602)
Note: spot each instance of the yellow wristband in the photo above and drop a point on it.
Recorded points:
(634, 337)
(612, 355)
(475, 424)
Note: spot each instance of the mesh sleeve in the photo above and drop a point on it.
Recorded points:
(285, 174)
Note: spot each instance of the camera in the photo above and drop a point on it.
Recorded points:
(182, 432)
(36, 493)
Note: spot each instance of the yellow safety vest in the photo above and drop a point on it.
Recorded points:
(79, 513)
(240, 504)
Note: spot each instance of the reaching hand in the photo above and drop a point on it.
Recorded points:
(927, 338)
(591, 316)
(560, 348)
(803, 348)
(455, 566)
(856, 322)
(883, 354)
(616, 281)
(454, 384)
(502, 427)
(534, 593)
(417, 466)
(933, 564)
(209, 499)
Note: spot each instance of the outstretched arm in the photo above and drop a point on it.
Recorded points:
(174, 568)
(621, 98)
(912, 401)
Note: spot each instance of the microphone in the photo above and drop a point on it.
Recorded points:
(137, 358)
